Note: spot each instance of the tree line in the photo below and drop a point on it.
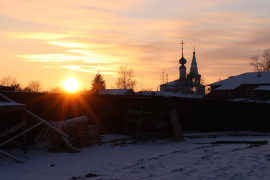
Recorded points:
(125, 80)
(32, 86)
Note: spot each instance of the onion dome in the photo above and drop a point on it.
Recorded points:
(182, 61)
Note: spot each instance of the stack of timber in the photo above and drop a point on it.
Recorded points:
(80, 134)
(64, 137)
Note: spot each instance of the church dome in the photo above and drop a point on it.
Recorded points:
(182, 60)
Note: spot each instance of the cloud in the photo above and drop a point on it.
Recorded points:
(89, 69)
(84, 37)
(38, 35)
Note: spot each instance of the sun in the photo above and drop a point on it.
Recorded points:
(71, 85)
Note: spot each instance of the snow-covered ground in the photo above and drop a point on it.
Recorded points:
(198, 157)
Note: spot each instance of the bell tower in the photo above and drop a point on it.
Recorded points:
(194, 76)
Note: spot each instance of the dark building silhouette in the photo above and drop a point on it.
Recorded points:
(187, 83)
(252, 85)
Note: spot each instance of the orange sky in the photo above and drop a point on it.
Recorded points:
(50, 41)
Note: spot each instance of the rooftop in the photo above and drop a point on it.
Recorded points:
(263, 88)
(246, 78)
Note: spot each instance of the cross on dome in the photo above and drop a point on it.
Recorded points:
(182, 60)
(182, 43)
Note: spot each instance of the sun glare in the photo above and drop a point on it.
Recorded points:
(71, 85)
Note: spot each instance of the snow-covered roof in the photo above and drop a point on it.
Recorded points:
(246, 78)
(115, 91)
(263, 88)
(228, 87)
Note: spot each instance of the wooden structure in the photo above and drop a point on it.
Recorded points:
(12, 120)
(108, 112)
(64, 137)
(176, 126)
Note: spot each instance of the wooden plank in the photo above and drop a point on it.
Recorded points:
(20, 134)
(81, 119)
(177, 129)
(47, 123)
(11, 156)
(13, 129)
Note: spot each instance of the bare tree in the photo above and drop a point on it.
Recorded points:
(203, 81)
(261, 63)
(10, 81)
(255, 62)
(126, 78)
(33, 86)
(162, 76)
(266, 60)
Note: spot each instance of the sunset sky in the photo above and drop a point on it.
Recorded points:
(51, 41)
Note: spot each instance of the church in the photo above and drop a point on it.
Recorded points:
(187, 83)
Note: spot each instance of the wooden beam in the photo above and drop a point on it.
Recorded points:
(177, 129)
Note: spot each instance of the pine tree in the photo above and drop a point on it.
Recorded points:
(97, 84)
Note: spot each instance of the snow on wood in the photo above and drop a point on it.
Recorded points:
(10, 104)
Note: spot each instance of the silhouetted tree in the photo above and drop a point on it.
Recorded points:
(10, 81)
(33, 86)
(162, 76)
(98, 83)
(125, 80)
(261, 63)
(203, 81)
(56, 90)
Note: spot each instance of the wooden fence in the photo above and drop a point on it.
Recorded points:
(108, 111)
